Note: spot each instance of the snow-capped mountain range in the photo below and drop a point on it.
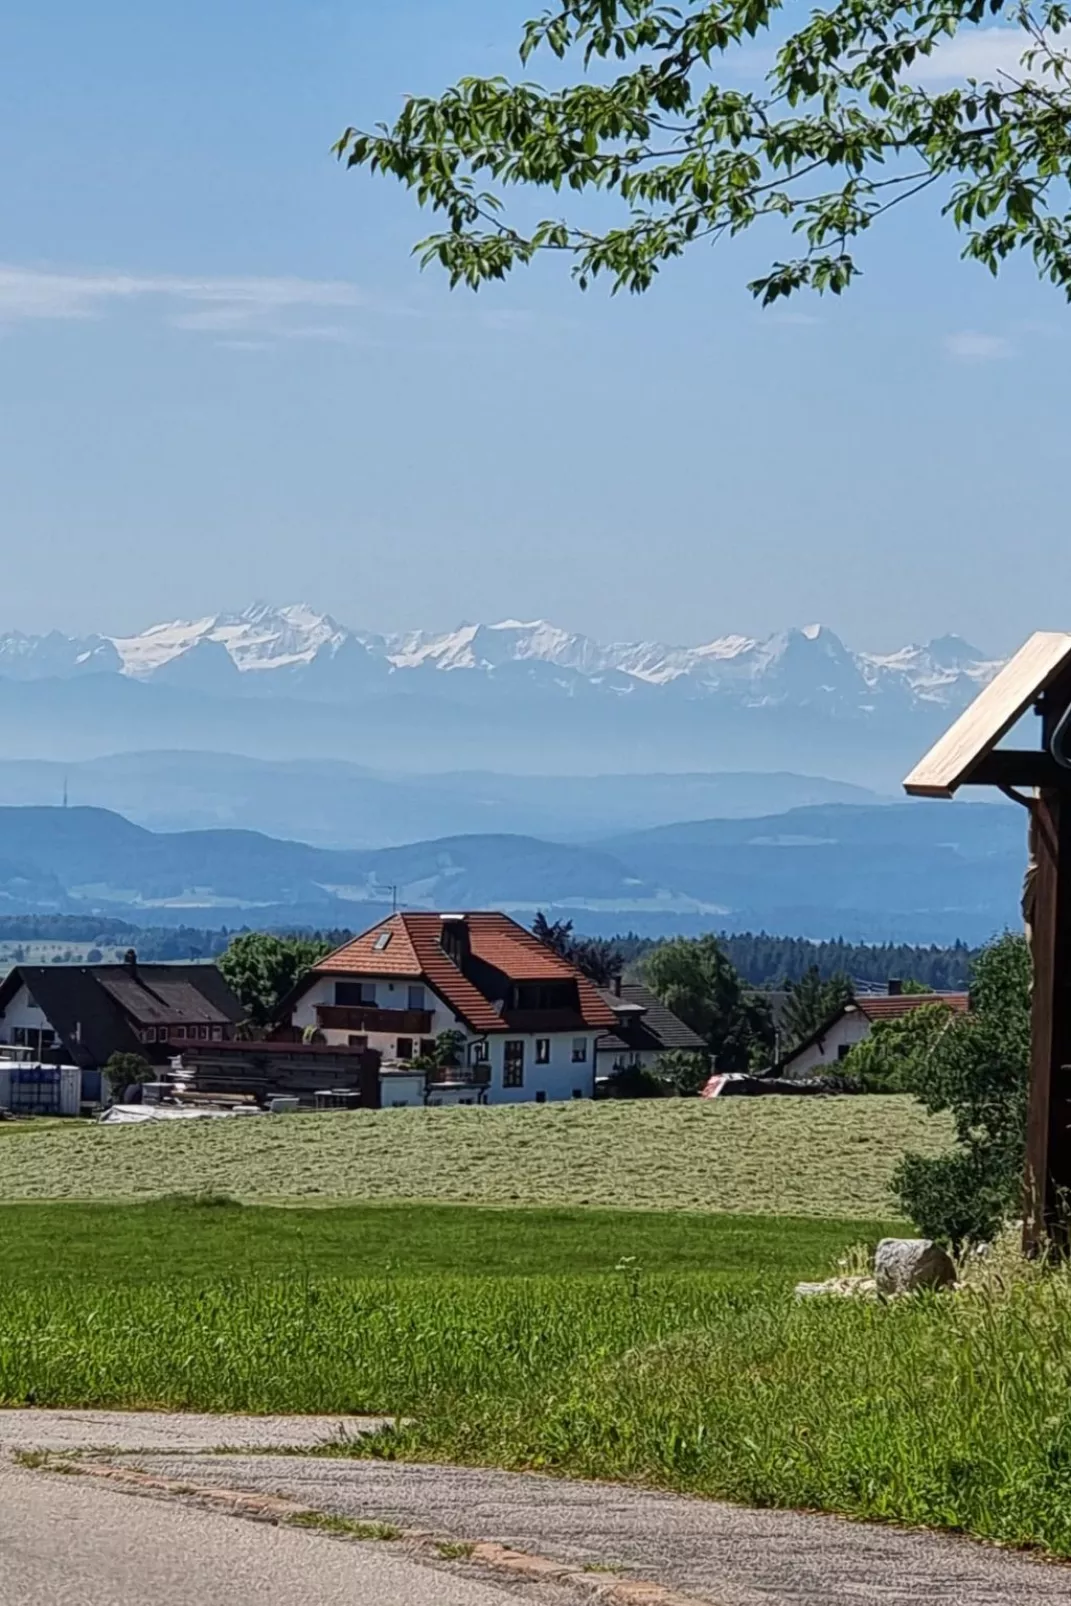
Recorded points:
(300, 652)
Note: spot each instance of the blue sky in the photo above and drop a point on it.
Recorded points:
(223, 377)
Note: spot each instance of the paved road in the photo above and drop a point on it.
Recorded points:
(69, 1542)
(130, 1551)
(180, 1432)
(716, 1552)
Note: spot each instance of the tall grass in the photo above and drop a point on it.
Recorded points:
(954, 1412)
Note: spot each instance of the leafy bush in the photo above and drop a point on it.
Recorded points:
(685, 1073)
(128, 1070)
(636, 1082)
(977, 1071)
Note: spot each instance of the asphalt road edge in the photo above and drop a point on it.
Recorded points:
(437, 1548)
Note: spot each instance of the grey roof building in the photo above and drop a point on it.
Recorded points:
(645, 1029)
(87, 1013)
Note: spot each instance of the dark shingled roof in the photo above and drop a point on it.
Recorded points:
(96, 1009)
(655, 1031)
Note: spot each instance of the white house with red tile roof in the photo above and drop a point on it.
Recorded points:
(824, 1049)
(529, 1019)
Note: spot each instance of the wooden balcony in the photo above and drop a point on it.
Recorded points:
(365, 1018)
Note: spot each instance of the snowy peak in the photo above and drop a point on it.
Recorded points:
(261, 637)
(305, 653)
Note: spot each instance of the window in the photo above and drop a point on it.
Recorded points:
(513, 1063)
(542, 1050)
(217, 1034)
(382, 941)
(355, 993)
(416, 998)
(149, 1035)
(544, 995)
(481, 1052)
(427, 1047)
(541, 1097)
(405, 1048)
(360, 1042)
(178, 1031)
(843, 1051)
(580, 1050)
(577, 1093)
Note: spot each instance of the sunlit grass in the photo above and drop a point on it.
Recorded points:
(944, 1410)
(801, 1157)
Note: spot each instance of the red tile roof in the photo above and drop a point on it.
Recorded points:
(415, 950)
(883, 1007)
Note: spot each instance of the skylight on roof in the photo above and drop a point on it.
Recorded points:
(382, 941)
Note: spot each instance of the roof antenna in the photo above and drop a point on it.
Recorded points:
(65, 791)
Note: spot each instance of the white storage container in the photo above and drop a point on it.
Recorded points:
(70, 1091)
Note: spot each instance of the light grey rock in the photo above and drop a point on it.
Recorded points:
(838, 1288)
(904, 1265)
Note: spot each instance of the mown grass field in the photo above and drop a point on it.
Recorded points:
(795, 1157)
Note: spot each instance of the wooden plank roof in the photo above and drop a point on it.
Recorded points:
(994, 711)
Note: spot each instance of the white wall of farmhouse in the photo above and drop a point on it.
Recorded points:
(20, 1016)
(383, 993)
(550, 1066)
(831, 1048)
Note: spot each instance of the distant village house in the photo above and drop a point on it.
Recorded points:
(83, 1014)
(824, 1050)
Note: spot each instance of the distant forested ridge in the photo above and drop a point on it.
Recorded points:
(760, 959)
(772, 962)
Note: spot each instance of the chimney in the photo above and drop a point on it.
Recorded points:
(130, 960)
(896, 987)
(617, 985)
(454, 939)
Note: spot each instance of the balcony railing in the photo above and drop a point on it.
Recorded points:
(460, 1076)
(366, 1018)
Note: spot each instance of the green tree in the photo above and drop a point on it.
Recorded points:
(261, 969)
(594, 957)
(686, 1073)
(694, 978)
(812, 1001)
(841, 132)
(976, 1071)
(128, 1070)
(895, 1057)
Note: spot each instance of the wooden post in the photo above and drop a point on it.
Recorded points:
(1048, 1145)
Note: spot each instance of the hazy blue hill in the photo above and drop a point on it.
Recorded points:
(103, 860)
(336, 804)
(914, 872)
(436, 722)
(950, 868)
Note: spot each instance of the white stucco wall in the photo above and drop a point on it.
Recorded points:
(389, 995)
(556, 1080)
(845, 1032)
(21, 1012)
